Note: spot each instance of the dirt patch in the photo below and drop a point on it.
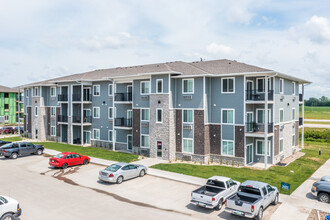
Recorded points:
(317, 214)
(313, 158)
(290, 159)
(46, 155)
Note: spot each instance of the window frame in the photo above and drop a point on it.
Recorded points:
(293, 114)
(226, 154)
(145, 135)
(144, 120)
(162, 88)
(281, 140)
(227, 109)
(98, 130)
(161, 121)
(193, 86)
(110, 85)
(27, 93)
(110, 137)
(36, 110)
(51, 131)
(228, 92)
(269, 148)
(281, 109)
(192, 148)
(51, 88)
(109, 112)
(141, 92)
(263, 118)
(263, 85)
(98, 111)
(186, 122)
(94, 90)
(51, 111)
(36, 91)
(281, 85)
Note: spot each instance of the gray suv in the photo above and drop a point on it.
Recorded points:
(13, 150)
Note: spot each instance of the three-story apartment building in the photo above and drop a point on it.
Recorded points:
(222, 111)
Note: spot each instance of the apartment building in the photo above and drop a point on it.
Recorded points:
(221, 111)
(11, 106)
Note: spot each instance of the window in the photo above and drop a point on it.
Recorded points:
(6, 106)
(110, 135)
(227, 148)
(188, 86)
(52, 91)
(228, 116)
(53, 131)
(159, 86)
(36, 91)
(281, 86)
(36, 111)
(281, 115)
(260, 85)
(6, 95)
(145, 87)
(281, 145)
(145, 114)
(293, 136)
(188, 146)
(145, 141)
(228, 85)
(293, 114)
(261, 148)
(159, 115)
(96, 112)
(261, 116)
(188, 116)
(53, 111)
(293, 88)
(96, 134)
(110, 113)
(27, 93)
(7, 117)
(96, 90)
(110, 89)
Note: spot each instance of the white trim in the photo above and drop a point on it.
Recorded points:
(293, 116)
(94, 111)
(281, 152)
(94, 86)
(53, 87)
(228, 155)
(192, 141)
(51, 111)
(129, 135)
(110, 135)
(251, 144)
(51, 129)
(147, 81)
(193, 113)
(281, 109)
(161, 80)
(222, 92)
(263, 85)
(159, 122)
(142, 114)
(109, 112)
(193, 86)
(145, 135)
(281, 82)
(263, 119)
(36, 110)
(228, 109)
(110, 85)
(268, 150)
(96, 129)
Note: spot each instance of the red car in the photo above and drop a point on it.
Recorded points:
(8, 130)
(67, 159)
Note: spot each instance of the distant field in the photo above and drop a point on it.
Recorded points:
(316, 112)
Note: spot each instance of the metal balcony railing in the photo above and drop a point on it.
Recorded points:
(77, 119)
(258, 127)
(259, 95)
(123, 97)
(77, 97)
(62, 118)
(123, 122)
(63, 97)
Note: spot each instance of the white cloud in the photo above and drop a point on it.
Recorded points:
(219, 49)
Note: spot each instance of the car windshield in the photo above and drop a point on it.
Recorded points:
(7, 146)
(113, 168)
(59, 156)
(3, 200)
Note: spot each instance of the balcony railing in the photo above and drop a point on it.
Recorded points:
(62, 118)
(123, 122)
(77, 119)
(301, 98)
(258, 95)
(258, 127)
(301, 121)
(63, 97)
(123, 97)
(86, 98)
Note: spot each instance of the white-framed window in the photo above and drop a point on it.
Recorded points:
(281, 86)
(159, 86)
(293, 113)
(96, 112)
(7, 118)
(53, 111)
(110, 113)
(260, 84)
(187, 86)
(110, 89)
(281, 115)
(96, 134)
(261, 116)
(228, 116)
(145, 114)
(159, 115)
(96, 90)
(36, 91)
(228, 85)
(293, 88)
(110, 135)
(145, 87)
(188, 116)
(188, 145)
(281, 145)
(36, 111)
(261, 148)
(27, 92)
(293, 136)
(145, 141)
(52, 91)
(227, 148)
(53, 130)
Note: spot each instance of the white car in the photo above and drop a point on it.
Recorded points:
(9, 208)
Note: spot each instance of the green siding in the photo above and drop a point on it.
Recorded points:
(11, 111)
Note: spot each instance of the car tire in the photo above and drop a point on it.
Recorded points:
(14, 155)
(142, 173)
(275, 200)
(39, 152)
(7, 216)
(218, 206)
(260, 213)
(120, 179)
(85, 162)
(64, 166)
(324, 197)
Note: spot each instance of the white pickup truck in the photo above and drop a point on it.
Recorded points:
(9, 208)
(251, 199)
(214, 193)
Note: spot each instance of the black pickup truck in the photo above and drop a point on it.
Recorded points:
(321, 189)
(13, 150)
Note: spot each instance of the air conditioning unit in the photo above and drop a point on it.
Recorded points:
(187, 127)
(144, 124)
(187, 97)
(145, 98)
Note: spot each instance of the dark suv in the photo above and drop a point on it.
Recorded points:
(13, 150)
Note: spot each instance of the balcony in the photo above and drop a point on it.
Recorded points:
(123, 122)
(62, 118)
(257, 95)
(77, 98)
(301, 121)
(258, 127)
(19, 99)
(63, 97)
(123, 97)
(301, 98)
(77, 119)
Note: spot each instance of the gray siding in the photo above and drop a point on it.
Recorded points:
(165, 79)
(197, 96)
(139, 101)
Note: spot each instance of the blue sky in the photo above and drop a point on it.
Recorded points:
(44, 39)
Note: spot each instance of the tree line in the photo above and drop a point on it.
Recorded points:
(323, 101)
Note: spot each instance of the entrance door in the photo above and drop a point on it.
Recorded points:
(87, 137)
(159, 149)
(249, 121)
(87, 115)
(249, 153)
(129, 142)
(87, 93)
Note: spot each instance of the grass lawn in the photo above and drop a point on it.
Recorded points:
(316, 112)
(12, 139)
(303, 168)
(91, 151)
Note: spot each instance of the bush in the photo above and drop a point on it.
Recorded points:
(320, 135)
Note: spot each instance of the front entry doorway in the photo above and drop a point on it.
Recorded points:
(249, 153)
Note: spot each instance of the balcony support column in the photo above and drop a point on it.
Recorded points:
(302, 115)
(82, 114)
(266, 121)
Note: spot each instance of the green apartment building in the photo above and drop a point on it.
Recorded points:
(11, 106)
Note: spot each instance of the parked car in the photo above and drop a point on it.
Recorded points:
(67, 159)
(13, 150)
(251, 199)
(118, 172)
(214, 193)
(321, 189)
(21, 129)
(9, 208)
(8, 130)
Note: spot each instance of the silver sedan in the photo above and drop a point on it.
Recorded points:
(118, 172)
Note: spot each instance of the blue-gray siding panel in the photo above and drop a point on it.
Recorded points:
(121, 135)
(187, 133)
(197, 96)
(138, 102)
(165, 83)
(144, 130)
(227, 132)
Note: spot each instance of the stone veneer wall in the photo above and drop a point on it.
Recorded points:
(38, 122)
(239, 141)
(215, 139)
(276, 140)
(29, 119)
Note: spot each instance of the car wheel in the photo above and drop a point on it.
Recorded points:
(120, 179)
(14, 155)
(219, 206)
(39, 152)
(260, 213)
(324, 197)
(85, 162)
(275, 200)
(64, 166)
(142, 173)
(7, 217)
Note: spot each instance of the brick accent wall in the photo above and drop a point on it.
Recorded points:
(199, 132)
(276, 140)
(239, 141)
(215, 139)
(25, 126)
(178, 129)
(29, 126)
(136, 128)
(47, 121)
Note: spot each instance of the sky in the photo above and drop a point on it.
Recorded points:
(45, 39)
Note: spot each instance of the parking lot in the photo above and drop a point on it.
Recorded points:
(76, 193)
